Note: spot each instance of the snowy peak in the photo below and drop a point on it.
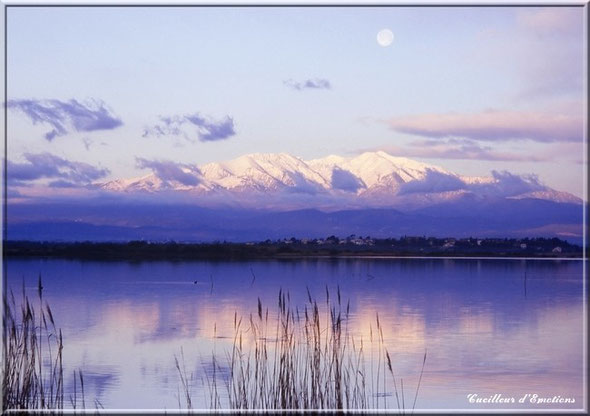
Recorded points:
(262, 171)
(376, 169)
(368, 179)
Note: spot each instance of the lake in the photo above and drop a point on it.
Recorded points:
(489, 326)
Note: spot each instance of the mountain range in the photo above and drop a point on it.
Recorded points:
(372, 179)
(261, 196)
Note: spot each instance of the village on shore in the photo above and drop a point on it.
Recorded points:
(332, 246)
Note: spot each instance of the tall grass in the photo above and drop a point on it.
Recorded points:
(32, 368)
(303, 359)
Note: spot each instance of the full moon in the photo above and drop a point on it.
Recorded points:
(385, 37)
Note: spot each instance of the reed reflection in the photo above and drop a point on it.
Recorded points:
(124, 323)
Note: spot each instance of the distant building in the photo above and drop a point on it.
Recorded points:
(523, 246)
(449, 244)
(556, 250)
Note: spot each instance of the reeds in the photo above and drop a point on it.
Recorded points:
(32, 369)
(304, 359)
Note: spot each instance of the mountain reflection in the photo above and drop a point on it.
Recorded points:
(124, 323)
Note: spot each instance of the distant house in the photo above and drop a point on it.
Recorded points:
(523, 246)
(449, 244)
(556, 250)
(362, 241)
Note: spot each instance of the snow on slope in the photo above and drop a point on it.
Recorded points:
(262, 171)
(371, 179)
(375, 168)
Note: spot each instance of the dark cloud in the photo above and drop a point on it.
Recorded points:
(494, 126)
(67, 116)
(172, 171)
(504, 184)
(301, 185)
(507, 184)
(207, 129)
(433, 182)
(309, 84)
(46, 165)
(212, 130)
(346, 181)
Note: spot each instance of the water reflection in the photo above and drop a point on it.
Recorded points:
(123, 323)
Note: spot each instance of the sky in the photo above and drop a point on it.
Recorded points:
(96, 94)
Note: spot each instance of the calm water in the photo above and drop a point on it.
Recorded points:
(123, 323)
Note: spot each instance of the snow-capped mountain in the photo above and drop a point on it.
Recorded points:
(260, 196)
(375, 169)
(372, 179)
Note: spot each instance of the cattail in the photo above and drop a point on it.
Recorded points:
(388, 361)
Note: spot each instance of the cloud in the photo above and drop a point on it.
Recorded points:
(212, 130)
(494, 126)
(207, 129)
(309, 84)
(504, 184)
(433, 181)
(172, 171)
(301, 185)
(508, 184)
(459, 149)
(67, 116)
(464, 149)
(62, 184)
(346, 181)
(46, 165)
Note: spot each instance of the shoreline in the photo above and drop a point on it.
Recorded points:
(143, 251)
